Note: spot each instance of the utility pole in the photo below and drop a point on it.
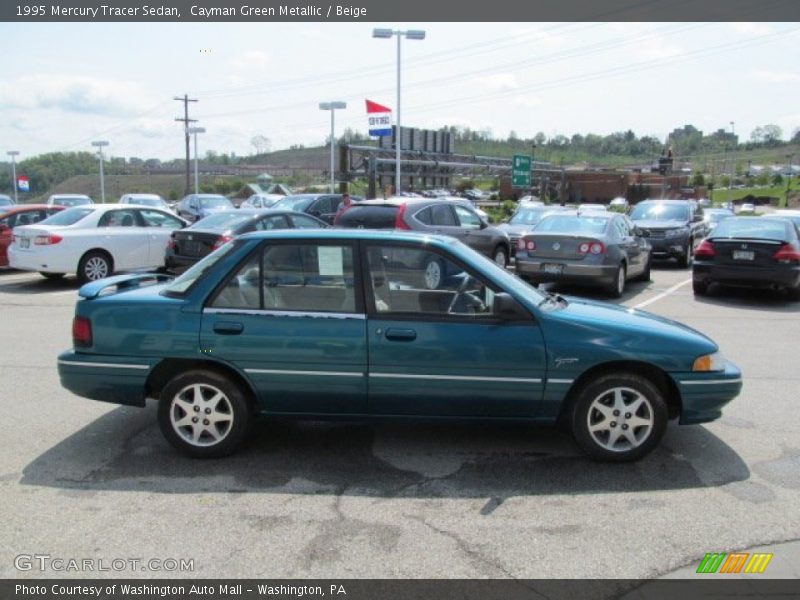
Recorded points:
(186, 120)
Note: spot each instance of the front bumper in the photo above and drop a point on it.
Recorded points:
(674, 247)
(533, 270)
(116, 379)
(704, 394)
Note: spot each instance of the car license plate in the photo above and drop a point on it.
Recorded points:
(24, 242)
(743, 255)
(552, 269)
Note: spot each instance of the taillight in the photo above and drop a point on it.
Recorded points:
(81, 332)
(399, 221)
(787, 254)
(47, 240)
(591, 248)
(172, 244)
(343, 208)
(705, 250)
(221, 241)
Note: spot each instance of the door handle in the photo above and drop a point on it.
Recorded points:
(401, 335)
(228, 328)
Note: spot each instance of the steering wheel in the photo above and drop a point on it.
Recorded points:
(461, 289)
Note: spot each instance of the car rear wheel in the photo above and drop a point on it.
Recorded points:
(432, 274)
(700, 288)
(794, 293)
(619, 417)
(685, 261)
(500, 256)
(617, 286)
(51, 275)
(204, 414)
(645, 276)
(94, 266)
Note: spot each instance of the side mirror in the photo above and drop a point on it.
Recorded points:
(505, 307)
(483, 224)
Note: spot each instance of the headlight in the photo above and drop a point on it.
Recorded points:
(709, 362)
(673, 232)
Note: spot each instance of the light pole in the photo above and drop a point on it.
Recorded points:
(733, 160)
(194, 131)
(13, 154)
(412, 34)
(99, 145)
(332, 106)
(788, 179)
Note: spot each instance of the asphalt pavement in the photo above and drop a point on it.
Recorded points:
(86, 480)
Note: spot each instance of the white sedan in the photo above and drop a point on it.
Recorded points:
(94, 241)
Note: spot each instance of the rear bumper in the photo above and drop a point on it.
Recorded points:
(120, 380)
(52, 259)
(747, 275)
(179, 262)
(704, 395)
(533, 270)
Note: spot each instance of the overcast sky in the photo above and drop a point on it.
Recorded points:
(65, 84)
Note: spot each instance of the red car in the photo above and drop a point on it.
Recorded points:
(20, 214)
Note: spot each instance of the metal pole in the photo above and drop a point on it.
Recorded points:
(14, 174)
(333, 111)
(196, 178)
(102, 178)
(399, 130)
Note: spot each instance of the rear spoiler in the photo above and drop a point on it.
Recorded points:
(121, 283)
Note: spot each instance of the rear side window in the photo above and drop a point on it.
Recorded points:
(368, 217)
(442, 216)
(68, 217)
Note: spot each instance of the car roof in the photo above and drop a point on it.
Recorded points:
(69, 196)
(15, 208)
(668, 201)
(138, 195)
(116, 205)
(350, 234)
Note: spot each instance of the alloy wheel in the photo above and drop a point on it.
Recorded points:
(620, 419)
(201, 414)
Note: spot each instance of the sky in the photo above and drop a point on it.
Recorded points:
(67, 84)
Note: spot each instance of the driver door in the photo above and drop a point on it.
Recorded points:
(443, 352)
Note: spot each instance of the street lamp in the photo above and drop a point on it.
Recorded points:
(332, 106)
(99, 145)
(413, 34)
(13, 154)
(733, 160)
(195, 131)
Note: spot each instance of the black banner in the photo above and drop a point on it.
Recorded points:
(266, 11)
(415, 589)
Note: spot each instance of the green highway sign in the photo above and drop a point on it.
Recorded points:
(521, 171)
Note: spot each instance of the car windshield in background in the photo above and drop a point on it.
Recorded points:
(571, 224)
(67, 217)
(212, 201)
(716, 217)
(528, 216)
(225, 220)
(660, 212)
(298, 203)
(158, 202)
(753, 228)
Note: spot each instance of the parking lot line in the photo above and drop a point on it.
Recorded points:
(663, 294)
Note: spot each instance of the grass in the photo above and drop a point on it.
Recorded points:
(777, 191)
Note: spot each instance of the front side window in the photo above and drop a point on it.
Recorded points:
(301, 277)
(270, 223)
(417, 282)
(467, 218)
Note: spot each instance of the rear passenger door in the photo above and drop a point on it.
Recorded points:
(290, 319)
(632, 245)
(122, 235)
(158, 226)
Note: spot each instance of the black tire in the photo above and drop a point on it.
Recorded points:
(94, 265)
(645, 276)
(700, 288)
(616, 288)
(685, 261)
(48, 275)
(174, 406)
(500, 253)
(794, 293)
(432, 274)
(591, 402)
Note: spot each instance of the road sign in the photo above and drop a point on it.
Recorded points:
(379, 118)
(521, 171)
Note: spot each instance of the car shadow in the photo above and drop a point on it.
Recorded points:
(749, 299)
(124, 451)
(632, 288)
(38, 284)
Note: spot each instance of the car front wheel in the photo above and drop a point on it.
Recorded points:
(619, 417)
(500, 256)
(204, 414)
(432, 274)
(617, 285)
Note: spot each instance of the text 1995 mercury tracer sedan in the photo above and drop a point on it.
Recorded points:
(339, 324)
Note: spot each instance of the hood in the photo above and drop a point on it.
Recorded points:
(583, 325)
(659, 224)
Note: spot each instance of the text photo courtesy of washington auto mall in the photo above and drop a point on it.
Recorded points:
(419, 301)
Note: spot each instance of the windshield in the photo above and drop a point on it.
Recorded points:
(71, 200)
(657, 211)
(717, 216)
(67, 217)
(528, 216)
(572, 224)
(752, 228)
(158, 202)
(299, 203)
(225, 220)
(182, 283)
(215, 201)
